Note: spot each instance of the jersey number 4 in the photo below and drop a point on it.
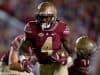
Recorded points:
(47, 46)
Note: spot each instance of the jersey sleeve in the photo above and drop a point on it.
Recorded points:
(27, 28)
(65, 31)
(30, 30)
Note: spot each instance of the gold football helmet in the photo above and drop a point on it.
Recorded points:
(85, 46)
(46, 14)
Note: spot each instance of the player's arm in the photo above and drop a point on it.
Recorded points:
(20, 62)
(67, 45)
(13, 61)
(16, 48)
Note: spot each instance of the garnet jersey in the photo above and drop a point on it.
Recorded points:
(80, 67)
(48, 41)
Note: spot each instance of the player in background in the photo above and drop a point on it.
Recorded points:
(85, 48)
(12, 61)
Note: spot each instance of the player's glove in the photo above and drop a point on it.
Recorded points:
(60, 57)
(28, 66)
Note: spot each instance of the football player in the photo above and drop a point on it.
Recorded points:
(85, 48)
(19, 61)
(49, 38)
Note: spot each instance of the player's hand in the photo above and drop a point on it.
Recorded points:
(28, 66)
(60, 57)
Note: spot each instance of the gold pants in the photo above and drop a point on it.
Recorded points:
(53, 69)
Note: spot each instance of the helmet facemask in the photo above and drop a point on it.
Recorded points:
(45, 21)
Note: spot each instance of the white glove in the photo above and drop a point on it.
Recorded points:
(69, 61)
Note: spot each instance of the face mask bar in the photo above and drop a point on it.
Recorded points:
(45, 18)
(45, 21)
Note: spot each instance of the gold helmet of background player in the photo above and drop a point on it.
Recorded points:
(46, 14)
(85, 46)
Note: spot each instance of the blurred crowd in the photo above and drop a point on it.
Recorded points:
(82, 15)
